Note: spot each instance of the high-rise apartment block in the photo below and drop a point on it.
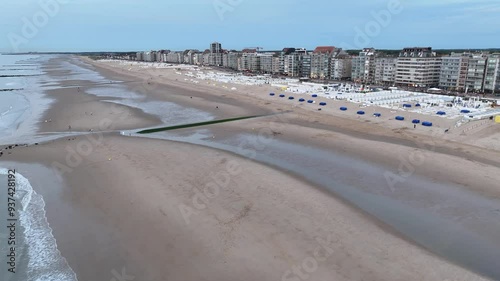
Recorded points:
(418, 67)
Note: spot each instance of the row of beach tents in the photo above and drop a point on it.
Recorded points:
(361, 112)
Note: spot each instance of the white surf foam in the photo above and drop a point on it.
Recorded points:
(45, 262)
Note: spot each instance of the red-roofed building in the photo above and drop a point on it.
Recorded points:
(321, 62)
(249, 51)
(324, 50)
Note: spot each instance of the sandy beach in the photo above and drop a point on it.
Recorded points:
(159, 209)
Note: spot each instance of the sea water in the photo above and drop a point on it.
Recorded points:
(37, 256)
(22, 101)
(169, 113)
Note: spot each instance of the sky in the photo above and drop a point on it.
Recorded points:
(133, 25)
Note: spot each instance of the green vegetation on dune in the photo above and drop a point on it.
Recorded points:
(150, 131)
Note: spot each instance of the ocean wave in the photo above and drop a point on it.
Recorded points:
(45, 262)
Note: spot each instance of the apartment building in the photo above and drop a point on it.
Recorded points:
(418, 67)
(292, 63)
(159, 56)
(215, 54)
(232, 60)
(149, 56)
(198, 59)
(139, 56)
(363, 66)
(283, 65)
(476, 71)
(189, 56)
(453, 72)
(207, 58)
(492, 75)
(249, 60)
(341, 68)
(321, 62)
(254, 63)
(266, 62)
(276, 64)
(305, 65)
(385, 70)
(175, 57)
(296, 63)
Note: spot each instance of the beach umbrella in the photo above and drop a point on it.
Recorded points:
(282, 96)
(441, 113)
(465, 111)
(322, 103)
(271, 94)
(360, 112)
(406, 105)
(343, 108)
(418, 104)
(377, 114)
(302, 100)
(427, 124)
(310, 101)
(400, 118)
(415, 121)
(314, 96)
(291, 98)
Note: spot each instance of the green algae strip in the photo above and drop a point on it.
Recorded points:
(156, 130)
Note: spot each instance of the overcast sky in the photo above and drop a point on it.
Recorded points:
(112, 25)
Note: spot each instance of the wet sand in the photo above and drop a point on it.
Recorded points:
(126, 213)
(121, 206)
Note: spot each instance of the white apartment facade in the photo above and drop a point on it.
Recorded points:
(363, 66)
(453, 72)
(175, 57)
(492, 75)
(321, 62)
(216, 52)
(418, 67)
(341, 68)
(476, 71)
(266, 63)
(385, 70)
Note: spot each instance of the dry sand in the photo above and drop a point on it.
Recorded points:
(127, 194)
(478, 133)
(259, 226)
